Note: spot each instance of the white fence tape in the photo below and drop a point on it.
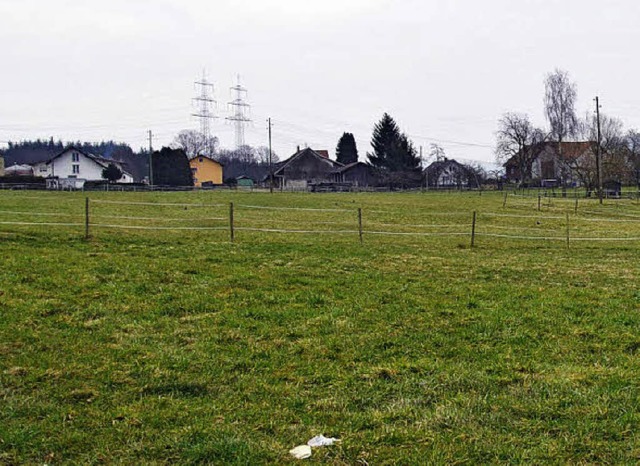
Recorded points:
(157, 204)
(244, 206)
(140, 227)
(40, 214)
(163, 219)
(49, 224)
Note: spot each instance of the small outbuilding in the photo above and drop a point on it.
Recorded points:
(244, 181)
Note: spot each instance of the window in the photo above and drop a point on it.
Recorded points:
(194, 170)
(75, 157)
(200, 160)
(75, 169)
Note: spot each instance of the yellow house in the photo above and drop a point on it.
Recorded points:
(205, 170)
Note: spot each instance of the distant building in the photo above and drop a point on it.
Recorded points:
(73, 167)
(449, 173)
(304, 168)
(1, 165)
(358, 174)
(206, 170)
(553, 163)
(18, 170)
(243, 181)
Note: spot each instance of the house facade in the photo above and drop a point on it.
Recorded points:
(73, 167)
(206, 170)
(305, 168)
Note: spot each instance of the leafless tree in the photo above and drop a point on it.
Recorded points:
(194, 143)
(559, 105)
(519, 142)
(614, 150)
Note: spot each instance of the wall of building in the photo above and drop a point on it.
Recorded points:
(206, 170)
(62, 167)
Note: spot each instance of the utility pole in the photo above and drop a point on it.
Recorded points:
(150, 158)
(599, 151)
(270, 160)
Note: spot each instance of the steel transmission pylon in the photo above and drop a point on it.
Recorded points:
(239, 110)
(205, 104)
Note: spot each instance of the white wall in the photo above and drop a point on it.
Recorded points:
(62, 166)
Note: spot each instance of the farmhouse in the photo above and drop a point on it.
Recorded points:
(552, 164)
(206, 171)
(449, 173)
(304, 168)
(357, 174)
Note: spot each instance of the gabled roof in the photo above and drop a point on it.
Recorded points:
(206, 157)
(349, 166)
(442, 164)
(102, 161)
(570, 150)
(300, 153)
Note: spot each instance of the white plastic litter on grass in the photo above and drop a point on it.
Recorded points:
(322, 441)
(301, 452)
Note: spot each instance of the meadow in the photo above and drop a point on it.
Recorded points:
(157, 340)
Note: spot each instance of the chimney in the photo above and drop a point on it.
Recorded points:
(298, 148)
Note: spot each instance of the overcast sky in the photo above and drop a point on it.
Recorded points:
(444, 69)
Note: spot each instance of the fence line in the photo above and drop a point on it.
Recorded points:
(408, 233)
(43, 214)
(279, 230)
(292, 208)
(159, 204)
(499, 235)
(44, 224)
(140, 227)
(163, 219)
(546, 217)
(347, 226)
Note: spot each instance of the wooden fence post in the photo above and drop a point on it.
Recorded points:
(539, 201)
(473, 230)
(567, 230)
(360, 223)
(86, 218)
(576, 208)
(231, 230)
(504, 204)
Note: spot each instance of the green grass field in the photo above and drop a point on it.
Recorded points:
(162, 346)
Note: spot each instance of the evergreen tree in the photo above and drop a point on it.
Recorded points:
(171, 168)
(112, 173)
(394, 154)
(346, 151)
